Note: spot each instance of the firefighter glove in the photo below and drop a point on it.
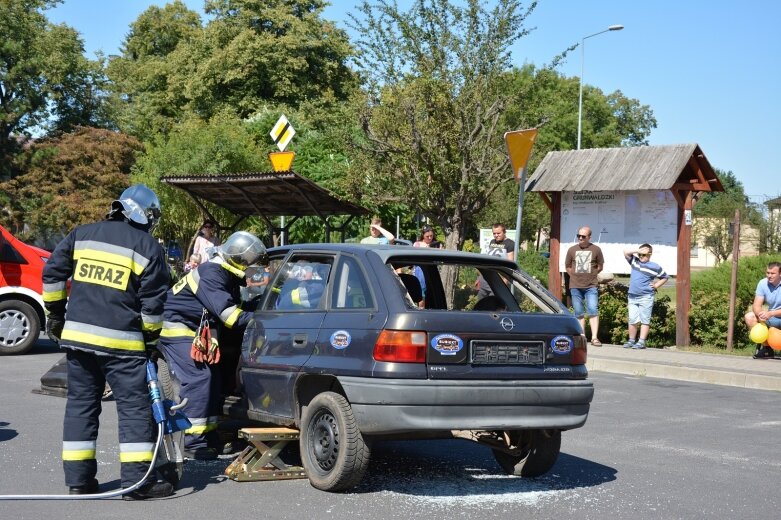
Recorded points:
(54, 326)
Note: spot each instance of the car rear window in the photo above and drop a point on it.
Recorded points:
(479, 288)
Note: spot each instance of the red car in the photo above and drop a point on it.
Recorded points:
(21, 305)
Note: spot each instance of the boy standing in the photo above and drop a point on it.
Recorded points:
(645, 279)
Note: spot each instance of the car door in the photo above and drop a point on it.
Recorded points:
(291, 315)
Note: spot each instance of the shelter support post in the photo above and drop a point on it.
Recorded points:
(554, 276)
(683, 279)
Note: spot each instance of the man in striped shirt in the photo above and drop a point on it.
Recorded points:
(645, 279)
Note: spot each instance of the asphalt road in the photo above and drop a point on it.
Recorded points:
(650, 449)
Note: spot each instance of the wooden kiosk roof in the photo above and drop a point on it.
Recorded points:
(681, 166)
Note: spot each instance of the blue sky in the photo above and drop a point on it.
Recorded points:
(707, 69)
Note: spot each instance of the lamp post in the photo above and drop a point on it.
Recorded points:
(582, 60)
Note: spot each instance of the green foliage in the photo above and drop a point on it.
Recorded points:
(613, 317)
(248, 54)
(535, 264)
(71, 179)
(222, 145)
(715, 211)
(46, 82)
(709, 312)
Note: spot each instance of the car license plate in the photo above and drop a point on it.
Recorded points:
(486, 352)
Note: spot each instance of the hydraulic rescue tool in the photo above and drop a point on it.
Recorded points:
(170, 423)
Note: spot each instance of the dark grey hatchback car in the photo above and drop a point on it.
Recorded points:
(355, 343)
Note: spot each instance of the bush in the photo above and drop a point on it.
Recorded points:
(535, 264)
(614, 317)
(709, 312)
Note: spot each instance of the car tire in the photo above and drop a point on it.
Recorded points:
(20, 327)
(537, 452)
(333, 450)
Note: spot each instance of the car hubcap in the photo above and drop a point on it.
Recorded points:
(325, 441)
(14, 328)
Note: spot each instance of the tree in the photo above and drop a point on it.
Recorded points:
(715, 210)
(71, 179)
(437, 103)
(194, 147)
(143, 75)
(45, 81)
(432, 107)
(249, 54)
(545, 96)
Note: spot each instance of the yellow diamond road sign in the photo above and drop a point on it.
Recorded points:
(282, 132)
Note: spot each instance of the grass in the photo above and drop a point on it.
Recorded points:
(737, 351)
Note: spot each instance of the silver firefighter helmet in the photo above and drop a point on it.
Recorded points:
(243, 249)
(138, 204)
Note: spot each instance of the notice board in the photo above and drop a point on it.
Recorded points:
(620, 219)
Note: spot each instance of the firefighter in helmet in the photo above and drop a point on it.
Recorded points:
(205, 298)
(114, 311)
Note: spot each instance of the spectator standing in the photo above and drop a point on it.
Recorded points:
(768, 293)
(501, 246)
(427, 239)
(205, 241)
(644, 280)
(379, 235)
(584, 262)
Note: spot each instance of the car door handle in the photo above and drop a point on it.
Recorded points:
(300, 340)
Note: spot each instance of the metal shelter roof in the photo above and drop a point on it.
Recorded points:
(269, 194)
(681, 166)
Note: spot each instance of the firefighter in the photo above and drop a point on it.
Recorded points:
(114, 312)
(194, 308)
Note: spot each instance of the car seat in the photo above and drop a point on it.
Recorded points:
(413, 287)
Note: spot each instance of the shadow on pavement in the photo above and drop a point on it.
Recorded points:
(457, 468)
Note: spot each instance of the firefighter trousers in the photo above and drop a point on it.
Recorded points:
(201, 384)
(87, 376)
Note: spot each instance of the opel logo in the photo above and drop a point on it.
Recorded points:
(507, 324)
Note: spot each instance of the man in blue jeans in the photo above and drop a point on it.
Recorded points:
(584, 262)
(645, 279)
(768, 293)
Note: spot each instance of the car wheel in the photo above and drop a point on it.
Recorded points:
(333, 451)
(19, 327)
(534, 454)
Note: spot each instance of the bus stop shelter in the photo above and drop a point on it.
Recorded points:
(268, 195)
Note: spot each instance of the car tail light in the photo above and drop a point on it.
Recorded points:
(401, 346)
(579, 351)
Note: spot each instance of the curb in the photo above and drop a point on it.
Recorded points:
(693, 374)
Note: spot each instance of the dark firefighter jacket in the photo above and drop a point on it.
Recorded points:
(213, 286)
(118, 286)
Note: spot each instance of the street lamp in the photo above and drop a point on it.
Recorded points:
(582, 60)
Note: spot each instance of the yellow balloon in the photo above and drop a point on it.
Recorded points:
(758, 333)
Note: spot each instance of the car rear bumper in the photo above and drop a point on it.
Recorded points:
(390, 406)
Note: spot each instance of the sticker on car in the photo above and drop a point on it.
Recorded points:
(341, 339)
(447, 344)
(561, 345)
